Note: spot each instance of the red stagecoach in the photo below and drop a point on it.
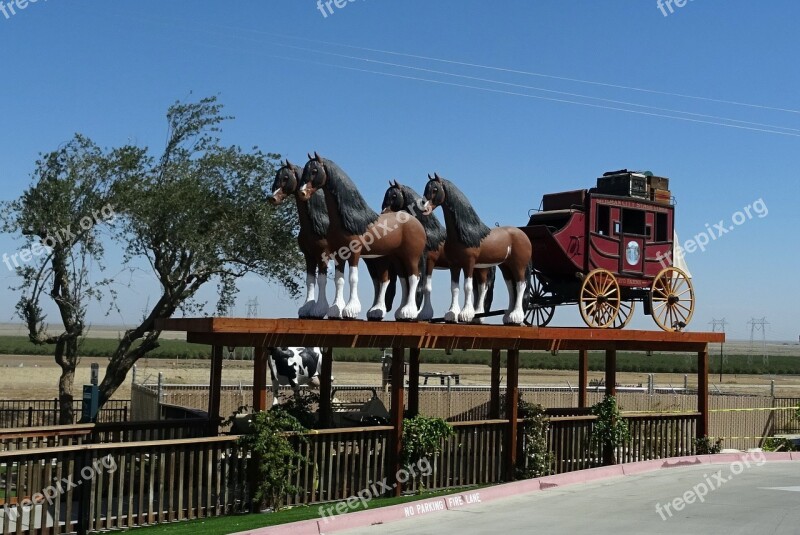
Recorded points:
(606, 248)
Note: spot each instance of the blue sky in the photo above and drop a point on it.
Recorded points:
(110, 69)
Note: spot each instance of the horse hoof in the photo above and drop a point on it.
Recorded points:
(513, 318)
(307, 310)
(376, 314)
(426, 314)
(335, 312)
(477, 321)
(466, 315)
(451, 316)
(351, 311)
(406, 314)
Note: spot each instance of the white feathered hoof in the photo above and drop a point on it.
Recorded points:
(514, 317)
(407, 313)
(352, 310)
(376, 314)
(307, 310)
(467, 315)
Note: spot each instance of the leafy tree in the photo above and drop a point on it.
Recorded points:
(536, 459)
(610, 429)
(196, 212)
(422, 439)
(59, 218)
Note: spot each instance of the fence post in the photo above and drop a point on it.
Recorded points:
(772, 388)
(133, 377)
(160, 393)
(685, 382)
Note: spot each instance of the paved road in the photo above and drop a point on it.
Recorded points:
(760, 500)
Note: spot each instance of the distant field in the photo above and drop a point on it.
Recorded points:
(785, 362)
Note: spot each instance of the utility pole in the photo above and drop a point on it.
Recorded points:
(715, 323)
(756, 325)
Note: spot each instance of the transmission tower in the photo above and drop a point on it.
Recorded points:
(756, 325)
(252, 308)
(723, 358)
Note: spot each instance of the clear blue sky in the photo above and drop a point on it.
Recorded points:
(110, 69)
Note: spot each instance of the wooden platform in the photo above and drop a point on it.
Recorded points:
(242, 332)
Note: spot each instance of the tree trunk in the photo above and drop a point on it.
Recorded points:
(67, 358)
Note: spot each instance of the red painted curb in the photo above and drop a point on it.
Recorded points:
(505, 490)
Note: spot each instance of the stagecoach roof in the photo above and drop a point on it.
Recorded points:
(251, 332)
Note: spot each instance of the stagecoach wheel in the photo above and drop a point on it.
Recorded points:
(625, 314)
(672, 299)
(535, 292)
(599, 299)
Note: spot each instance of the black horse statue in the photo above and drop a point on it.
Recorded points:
(400, 197)
(356, 231)
(471, 244)
(312, 238)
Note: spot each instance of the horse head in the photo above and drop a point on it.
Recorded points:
(394, 200)
(285, 183)
(434, 193)
(315, 176)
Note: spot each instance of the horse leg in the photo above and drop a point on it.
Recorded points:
(353, 307)
(468, 312)
(322, 305)
(410, 281)
(481, 276)
(426, 314)
(274, 392)
(516, 291)
(311, 283)
(380, 281)
(451, 316)
(338, 301)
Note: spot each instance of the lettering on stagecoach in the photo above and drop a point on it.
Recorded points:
(651, 206)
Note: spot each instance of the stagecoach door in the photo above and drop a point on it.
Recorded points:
(632, 236)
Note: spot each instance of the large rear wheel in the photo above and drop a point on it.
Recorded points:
(599, 299)
(672, 299)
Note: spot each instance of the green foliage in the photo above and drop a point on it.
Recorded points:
(536, 459)
(704, 445)
(277, 459)
(422, 438)
(610, 429)
(779, 444)
(301, 407)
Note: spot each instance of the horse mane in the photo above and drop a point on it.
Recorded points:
(317, 209)
(469, 227)
(434, 230)
(355, 213)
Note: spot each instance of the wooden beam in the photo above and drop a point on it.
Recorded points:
(214, 388)
(702, 393)
(512, 401)
(397, 412)
(259, 379)
(611, 372)
(494, 397)
(583, 378)
(413, 382)
(325, 380)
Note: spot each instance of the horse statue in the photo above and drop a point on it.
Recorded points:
(400, 197)
(312, 239)
(356, 231)
(471, 244)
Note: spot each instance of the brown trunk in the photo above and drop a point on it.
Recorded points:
(67, 358)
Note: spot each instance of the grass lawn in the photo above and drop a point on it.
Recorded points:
(230, 524)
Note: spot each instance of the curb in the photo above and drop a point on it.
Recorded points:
(456, 501)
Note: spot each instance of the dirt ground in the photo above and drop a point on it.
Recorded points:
(36, 377)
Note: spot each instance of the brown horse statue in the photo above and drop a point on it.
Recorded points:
(399, 197)
(313, 241)
(471, 244)
(356, 232)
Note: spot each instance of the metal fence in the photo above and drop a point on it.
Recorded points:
(45, 412)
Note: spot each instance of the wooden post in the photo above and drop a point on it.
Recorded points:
(214, 388)
(611, 372)
(413, 382)
(259, 379)
(702, 392)
(512, 400)
(397, 411)
(494, 396)
(583, 378)
(325, 380)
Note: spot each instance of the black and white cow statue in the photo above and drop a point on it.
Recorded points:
(294, 366)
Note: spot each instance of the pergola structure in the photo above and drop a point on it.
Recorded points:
(327, 334)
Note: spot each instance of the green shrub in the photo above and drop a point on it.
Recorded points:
(536, 459)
